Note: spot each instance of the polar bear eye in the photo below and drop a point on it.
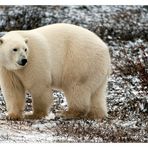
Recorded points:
(15, 49)
(25, 49)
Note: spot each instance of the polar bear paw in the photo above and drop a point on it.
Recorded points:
(14, 116)
(34, 116)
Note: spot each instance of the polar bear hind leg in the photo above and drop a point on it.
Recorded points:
(98, 103)
(78, 99)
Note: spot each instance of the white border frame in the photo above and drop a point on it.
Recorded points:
(73, 2)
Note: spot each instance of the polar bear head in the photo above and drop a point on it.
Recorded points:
(13, 51)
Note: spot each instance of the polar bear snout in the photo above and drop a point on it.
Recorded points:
(22, 62)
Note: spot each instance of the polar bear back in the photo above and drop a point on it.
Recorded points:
(76, 52)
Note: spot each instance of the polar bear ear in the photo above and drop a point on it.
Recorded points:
(1, 41)
(26, 40)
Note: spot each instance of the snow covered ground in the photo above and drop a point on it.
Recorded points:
(124, 29)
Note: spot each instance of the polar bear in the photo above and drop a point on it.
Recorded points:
(61, 56)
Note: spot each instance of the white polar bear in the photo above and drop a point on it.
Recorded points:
(61, 56)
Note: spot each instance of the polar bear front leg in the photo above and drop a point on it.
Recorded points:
(14, 95)
(42, 101)
(15, 101)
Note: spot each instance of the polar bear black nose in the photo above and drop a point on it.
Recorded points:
(22, 62)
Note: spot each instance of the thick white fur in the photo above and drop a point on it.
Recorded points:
(59, 56)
